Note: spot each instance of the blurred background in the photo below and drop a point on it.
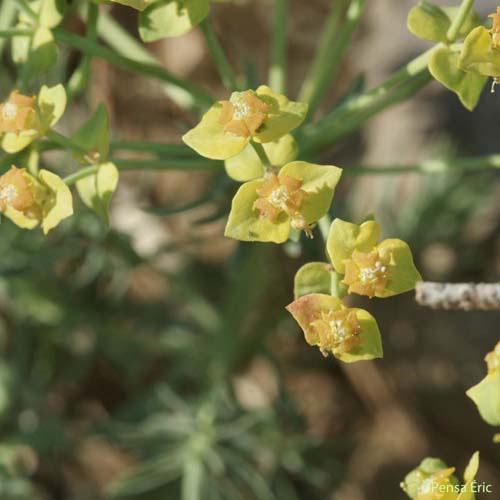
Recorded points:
(155, 360)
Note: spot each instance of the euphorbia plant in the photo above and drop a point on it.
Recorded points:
(264, 138)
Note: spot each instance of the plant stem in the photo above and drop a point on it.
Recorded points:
(323, 55)
(484, 163)
(127, 46)
(81, 75)
(65, 142)
(324, 226)
(261, 153)
(342, 123)
(201, 98)
(8, 13)
(459, 20)
(220, 59)
(81, 174)
(8, 33)
(277, 71)
(168, 164)
(333, 58)
(175, 150)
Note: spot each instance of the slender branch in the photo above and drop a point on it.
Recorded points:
(8, 12)
(200, 97)
(173, 150)
(220, 59)
(261, 153)
(322, 59)
(8, 33)
(480, 163)
(277, 70)
(126, 45)
(328, 133)
(332, 64)
(463, 296)
(168, 164)
(81, 174)
(459, 20)
(26, 8)
(81, 75)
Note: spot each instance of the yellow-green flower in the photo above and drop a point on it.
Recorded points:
(24, 119)
(486, 394)
(371, 269)
(297, 197)
(349, 334)
(481, 50)
(29, 201)
(168, 18)
(434, 480)
(228, 126)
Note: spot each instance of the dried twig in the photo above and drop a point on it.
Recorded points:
(464, 296)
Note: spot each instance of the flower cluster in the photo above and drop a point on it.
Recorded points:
(279, 194)
(465, 71)
(359, 264)
(434, 480)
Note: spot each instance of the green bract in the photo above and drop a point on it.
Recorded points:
(371, 269)
(486, 394)
(315, 312)
(246, 166)
(479, 54)
(97, 190)
(316, 185)
(267, 118)
(431, 22)
(167, 18)
(443, 65)
(59, 203)
(50, 105)
(93, 137)
(313, 277)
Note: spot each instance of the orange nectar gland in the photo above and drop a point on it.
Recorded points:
(434, 487)
(493, 359)
(243, 114)
(282, 194)
(16, 113)
(338, 331)
(366, 273)
(17, 191)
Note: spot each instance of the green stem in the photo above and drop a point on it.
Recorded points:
(261, 153)
(81, 174)
(344, 121)
(168, 164)
(8, 12)
(7, 33)
(80, 77)
(220, 59)
(332, 63)
(324, 226)
(65, 142)
(459, 20)
(484, 163)
(147, 164)
(185, 95)
(277, 71)
(173, 150)
(323, 55)
(200, 97)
